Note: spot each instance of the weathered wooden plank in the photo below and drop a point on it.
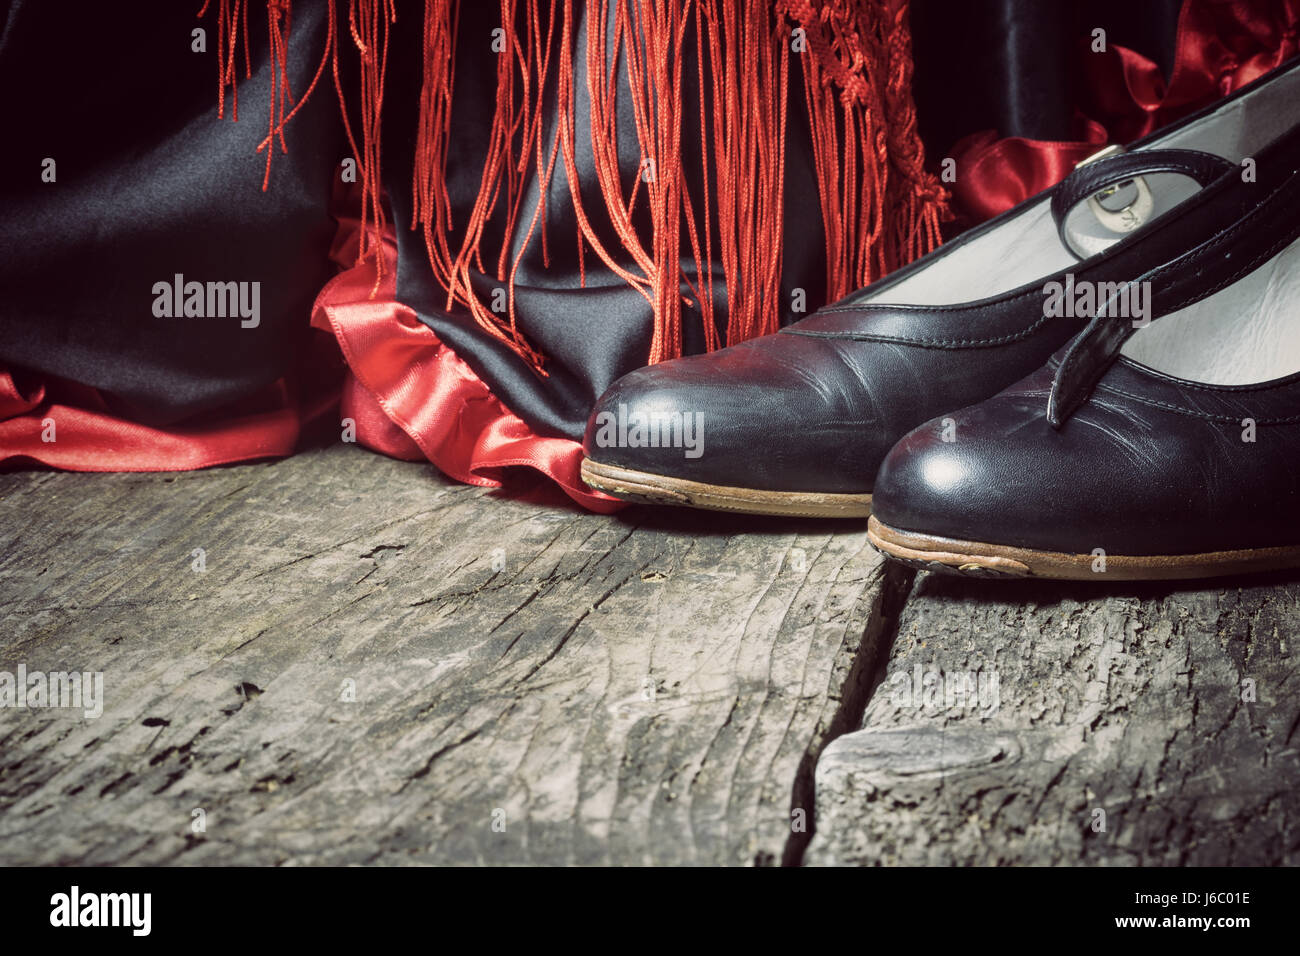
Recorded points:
(378, 665)
(1166, 713)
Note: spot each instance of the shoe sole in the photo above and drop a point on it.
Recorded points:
(646, 488)
(979, 559)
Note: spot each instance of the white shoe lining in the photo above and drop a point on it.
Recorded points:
(1244, 334)
(1026, 247)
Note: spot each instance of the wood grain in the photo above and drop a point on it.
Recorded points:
(1124, 730)
(532, 684)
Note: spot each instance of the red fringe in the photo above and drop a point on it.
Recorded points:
(879, 205)
(368, 23)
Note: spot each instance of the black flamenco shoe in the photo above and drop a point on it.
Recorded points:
(1142, 450)
(798, 422)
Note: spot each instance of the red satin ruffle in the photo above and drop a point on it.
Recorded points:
(68, 426)
(412, 397)
(409, 395)
(1221, 46)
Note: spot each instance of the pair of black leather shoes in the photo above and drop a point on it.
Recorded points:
(1104, 380)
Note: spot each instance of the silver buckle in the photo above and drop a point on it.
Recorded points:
(1129, 216)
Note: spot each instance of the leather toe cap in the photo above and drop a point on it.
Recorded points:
(770, 414)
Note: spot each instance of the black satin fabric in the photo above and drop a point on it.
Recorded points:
(1008, 65)
(590, 335)
(151, 184)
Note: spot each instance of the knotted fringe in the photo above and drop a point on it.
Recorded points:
(879, 205)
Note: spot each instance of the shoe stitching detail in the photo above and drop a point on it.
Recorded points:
(1004, 298)
(925, 343)
(1249, 267)
(1206, 416)
(1007, 299)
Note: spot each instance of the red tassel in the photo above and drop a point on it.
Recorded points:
(229, 17)
(749, 64)
(879, 205)
(369, 22)
(857, 79)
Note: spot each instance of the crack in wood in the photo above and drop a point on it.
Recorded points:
(864, 675)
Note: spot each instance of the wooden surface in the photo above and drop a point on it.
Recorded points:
(379, 665)
(532, 683)
(1121, 730)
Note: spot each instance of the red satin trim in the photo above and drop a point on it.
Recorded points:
(409, 395)
(1220, 47)
(88, 437)
(994, 175)
(412, 397)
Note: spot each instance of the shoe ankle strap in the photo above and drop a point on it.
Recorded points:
(1111, 168)
(1260, 224)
